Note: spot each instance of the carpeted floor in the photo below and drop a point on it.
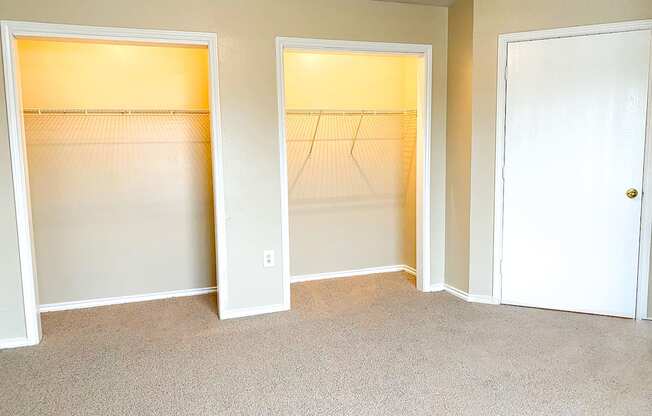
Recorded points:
(360, 346)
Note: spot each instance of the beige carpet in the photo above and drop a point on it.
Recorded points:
(360, 346)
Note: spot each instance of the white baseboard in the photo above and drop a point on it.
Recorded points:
(468, 297)
(92, 303)
(456, 292)
(437, 287)
(489, 300)
(256, 310)
(13, 343)
(351, 273)
(409, 269)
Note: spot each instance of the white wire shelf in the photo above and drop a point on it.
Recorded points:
(109, 111)
(342, 156)
(347, 112)
(101, 128)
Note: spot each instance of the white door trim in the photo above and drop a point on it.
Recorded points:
(646, 216)
(10, 31)
(423, 170)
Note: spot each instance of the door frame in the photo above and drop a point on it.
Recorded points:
(10, 31)
(425, 282)
(645, 245)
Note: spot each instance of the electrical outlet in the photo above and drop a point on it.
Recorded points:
(268, 258)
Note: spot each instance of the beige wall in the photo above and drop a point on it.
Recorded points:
(491, 18)
(458, 142)
(246, 31)
(339, 201)
(60, 74)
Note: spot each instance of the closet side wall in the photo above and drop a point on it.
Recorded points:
(348, 210)
(409, 151)
(121, 204)
(12, 317)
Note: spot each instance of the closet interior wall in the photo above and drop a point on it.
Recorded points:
(119, 159)
(351, 154)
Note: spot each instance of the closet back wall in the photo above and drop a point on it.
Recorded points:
(80, 74)
(121, 203)
(350, 207)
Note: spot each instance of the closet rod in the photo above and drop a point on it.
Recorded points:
(359, 139)
(348, 112)
(110, 111)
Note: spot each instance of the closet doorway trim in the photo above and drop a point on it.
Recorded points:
(424, 236)
(11, 30)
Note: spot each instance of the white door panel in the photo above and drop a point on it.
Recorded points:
(574, 143)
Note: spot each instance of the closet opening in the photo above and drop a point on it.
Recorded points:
(117, 170)
(355, 137)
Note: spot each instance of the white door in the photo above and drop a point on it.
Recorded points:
(574, 144)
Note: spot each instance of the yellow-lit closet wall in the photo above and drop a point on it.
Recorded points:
(350, 135)
(122, 201)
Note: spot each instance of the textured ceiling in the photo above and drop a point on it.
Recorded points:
(428, 2)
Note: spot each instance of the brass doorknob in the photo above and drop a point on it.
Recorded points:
(631, 193)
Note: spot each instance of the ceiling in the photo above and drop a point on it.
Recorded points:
(428, 2)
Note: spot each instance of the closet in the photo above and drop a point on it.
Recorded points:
(350, 131)
(119, 162)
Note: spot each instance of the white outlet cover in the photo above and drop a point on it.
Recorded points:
(268, 258)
